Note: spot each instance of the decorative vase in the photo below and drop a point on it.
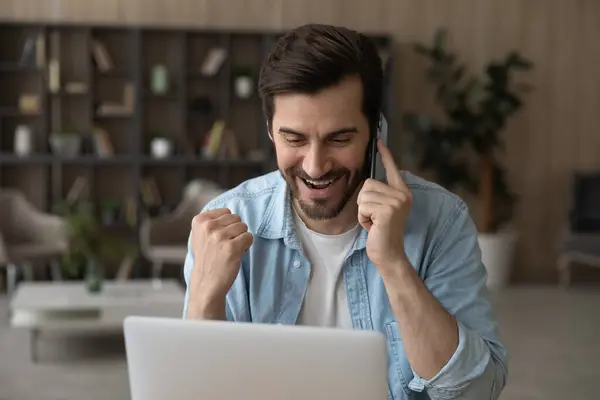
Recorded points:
(94, 276)
(23, 141)
(160, 80)
(161, 147)
(243, 86)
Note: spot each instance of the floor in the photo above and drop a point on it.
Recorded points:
(552, 336)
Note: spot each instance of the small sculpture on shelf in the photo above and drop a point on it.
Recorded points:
(243, 82)
(161, 146)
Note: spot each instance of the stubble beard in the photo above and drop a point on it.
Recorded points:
(319, 209)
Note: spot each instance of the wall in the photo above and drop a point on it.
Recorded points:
(556, 134)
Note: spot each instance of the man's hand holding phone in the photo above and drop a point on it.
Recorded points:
(219, 240)
(382, 211)
(376, 167)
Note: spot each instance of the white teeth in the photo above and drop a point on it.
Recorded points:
(319, 183)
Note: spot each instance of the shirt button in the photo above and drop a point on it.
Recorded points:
(296, 264)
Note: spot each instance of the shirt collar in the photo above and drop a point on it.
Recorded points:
(278, 219)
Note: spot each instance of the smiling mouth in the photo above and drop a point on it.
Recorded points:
(319, 184)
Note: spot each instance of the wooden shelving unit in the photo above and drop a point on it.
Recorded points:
(184, 114)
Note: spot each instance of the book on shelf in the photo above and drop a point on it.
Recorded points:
(29, 103)
(119, 109)
(34, 51)
(150, 193)
(112, 109)
(213, 139)
(229, 148)
(78, 190)
(221, 143)
(76, 88)
(102, 143)
(129, 96)
(28, 53)
(129, 212)
(213, 61)
(40, 51)
(54, 76)
(101, 56)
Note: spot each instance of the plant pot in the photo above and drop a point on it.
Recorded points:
(66, 145)
(497, 252)
(94, 276)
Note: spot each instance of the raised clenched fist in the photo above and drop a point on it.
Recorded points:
(219, 239)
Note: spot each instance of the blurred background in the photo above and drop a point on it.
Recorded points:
(120, 119)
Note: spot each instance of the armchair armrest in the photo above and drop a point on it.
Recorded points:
(164, 229)
(173, 228)
(24, 223)
(49, 229)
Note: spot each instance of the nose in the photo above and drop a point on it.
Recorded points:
(316, 162)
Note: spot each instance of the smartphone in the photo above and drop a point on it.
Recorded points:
(377, 171)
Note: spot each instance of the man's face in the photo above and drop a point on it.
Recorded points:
(321, 142)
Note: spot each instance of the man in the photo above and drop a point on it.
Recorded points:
(317, 243)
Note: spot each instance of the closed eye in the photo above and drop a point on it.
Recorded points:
(340, 140)
(292, 138)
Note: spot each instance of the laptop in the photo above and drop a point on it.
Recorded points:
(170, 358)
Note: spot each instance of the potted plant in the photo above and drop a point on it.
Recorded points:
(462, 148)
(90, 247)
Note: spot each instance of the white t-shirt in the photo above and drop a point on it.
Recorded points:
(325, 303)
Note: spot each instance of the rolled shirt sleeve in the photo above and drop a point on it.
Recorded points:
(457, 277)
(471, 373)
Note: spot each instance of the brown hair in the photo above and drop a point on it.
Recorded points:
(313, 57)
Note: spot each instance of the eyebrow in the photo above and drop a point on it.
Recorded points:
(349, 129)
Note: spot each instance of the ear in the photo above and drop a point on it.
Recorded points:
(269, 132)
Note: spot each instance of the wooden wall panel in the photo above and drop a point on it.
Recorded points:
(563, 122)
(556, 134)
(588, 88)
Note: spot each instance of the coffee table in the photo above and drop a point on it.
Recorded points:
(68, 306)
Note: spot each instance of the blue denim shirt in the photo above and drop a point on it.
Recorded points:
(441, 243)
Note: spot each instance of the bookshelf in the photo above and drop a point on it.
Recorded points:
(132, 110)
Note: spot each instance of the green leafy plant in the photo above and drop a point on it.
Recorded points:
(88, 242)
(461, 148)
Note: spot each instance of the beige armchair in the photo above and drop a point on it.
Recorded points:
(164, 239)
(27, 236)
